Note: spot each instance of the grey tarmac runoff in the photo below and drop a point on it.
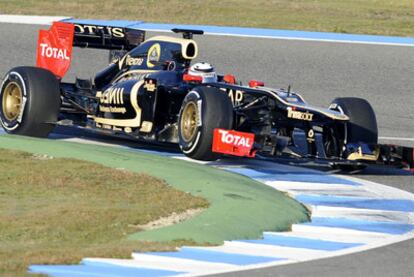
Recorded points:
(321, 71)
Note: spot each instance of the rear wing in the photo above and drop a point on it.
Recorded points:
(54, 49)
(107, 37)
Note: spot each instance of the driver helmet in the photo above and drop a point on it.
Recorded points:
(205, 70)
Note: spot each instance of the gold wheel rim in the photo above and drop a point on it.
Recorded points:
(12, 101)
(189, 121)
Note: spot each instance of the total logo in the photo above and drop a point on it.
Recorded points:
(236, 140)
(53, 52)
(233, 143)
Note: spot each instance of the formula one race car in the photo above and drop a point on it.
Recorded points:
(150, 91)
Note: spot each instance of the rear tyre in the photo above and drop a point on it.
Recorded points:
(362, 124)
(203, 110)
(29, 101)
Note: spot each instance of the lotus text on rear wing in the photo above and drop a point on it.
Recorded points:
(94, 30)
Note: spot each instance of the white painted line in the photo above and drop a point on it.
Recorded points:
(364, 214)
(122, 262)
(396, 138)
(340, 231)
(265, 250)
(176, 264)
(30, 19)
(166, 263)
(318, 188)
(328, 236)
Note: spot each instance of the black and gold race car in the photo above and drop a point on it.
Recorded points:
(151, 91)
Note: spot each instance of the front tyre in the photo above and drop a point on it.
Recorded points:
(362, 124)
(29, 101)
(203, 110)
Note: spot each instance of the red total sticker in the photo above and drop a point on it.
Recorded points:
(54, 48)
(233, 143)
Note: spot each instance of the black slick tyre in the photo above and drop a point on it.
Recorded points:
(203, 110)
(362, 124)
(29, 101)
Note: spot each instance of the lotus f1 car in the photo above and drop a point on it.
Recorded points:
(150, 91)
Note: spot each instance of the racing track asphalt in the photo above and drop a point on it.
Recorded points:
(320, 71)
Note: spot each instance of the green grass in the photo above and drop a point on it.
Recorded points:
(382, 17)
(240, 208)
(60, 210)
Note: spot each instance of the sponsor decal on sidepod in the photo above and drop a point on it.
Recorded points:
(299, 115)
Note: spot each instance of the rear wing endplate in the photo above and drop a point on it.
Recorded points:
(54, 48)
